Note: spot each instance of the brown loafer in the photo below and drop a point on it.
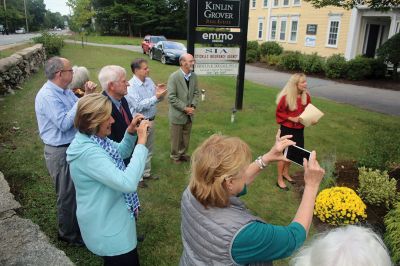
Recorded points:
(185, 158)
(142, 184)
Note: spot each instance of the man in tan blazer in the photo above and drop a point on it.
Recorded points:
(183, 94)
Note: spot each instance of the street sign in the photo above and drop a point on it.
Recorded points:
(217, 37)
(216, 69)
(218, 13)
(216, 54)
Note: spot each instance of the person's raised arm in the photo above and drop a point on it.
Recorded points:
(313, 175)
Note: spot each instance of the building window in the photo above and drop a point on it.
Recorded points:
(296, 2)
(253, 3)
(275, 3)
(274, 24)
(282, 31)
(333, 32)
(285, 2)
(265, 3)
(293, 29)
(260, 29)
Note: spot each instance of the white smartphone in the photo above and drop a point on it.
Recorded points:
(296, 154)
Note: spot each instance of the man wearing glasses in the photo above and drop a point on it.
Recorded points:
(55, 107)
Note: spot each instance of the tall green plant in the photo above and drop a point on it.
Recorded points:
(392, 239)
(51, 42)
(390, 52)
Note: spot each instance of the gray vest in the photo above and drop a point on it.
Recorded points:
(208, 234)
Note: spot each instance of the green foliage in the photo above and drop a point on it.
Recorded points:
(51, 42)
(253, 45)
(329, 180)
(251, 56)
(392, 239)
(273, 59)
(358, 68)
(336, 66)
(290, 61)
(376, 188)
(312, 63)
(270, 48)
(379, 148)
(373, 4)
(390, 52)
(378, 68)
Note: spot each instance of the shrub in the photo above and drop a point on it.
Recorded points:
(329, 179)
(312, 63)
(358, 68)
(251, 56)
(392, 224)
(336, 66)
(273, 59)
(290, 61)
(378, 68)
(339, 206)
(270, 48)
(376, 188)
(390, 52)
(51, 42)
(253, 45)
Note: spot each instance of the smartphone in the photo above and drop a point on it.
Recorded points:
(296, 154)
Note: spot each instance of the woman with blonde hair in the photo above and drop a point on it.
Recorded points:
(105, 189)
(216, 227)
(291, 102)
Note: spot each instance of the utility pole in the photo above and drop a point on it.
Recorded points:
(5, 15)
(26, 17)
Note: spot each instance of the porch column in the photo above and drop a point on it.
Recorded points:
(353, 34)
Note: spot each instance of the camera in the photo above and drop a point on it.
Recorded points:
(140, 120)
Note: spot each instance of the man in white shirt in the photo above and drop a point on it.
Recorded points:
(143, 96)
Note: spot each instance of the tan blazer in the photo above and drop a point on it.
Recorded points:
(179, 96)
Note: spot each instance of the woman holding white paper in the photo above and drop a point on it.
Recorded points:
(291, 102)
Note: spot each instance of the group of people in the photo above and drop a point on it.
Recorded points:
(98, 150)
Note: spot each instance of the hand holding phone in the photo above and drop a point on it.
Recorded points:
(296, 154)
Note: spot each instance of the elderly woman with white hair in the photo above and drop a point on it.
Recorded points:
(345, 246)
(80, 81)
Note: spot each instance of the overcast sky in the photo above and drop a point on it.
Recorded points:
(57, 6)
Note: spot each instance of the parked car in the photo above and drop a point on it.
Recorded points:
(20, 31)
(149, 41)
(167, 52)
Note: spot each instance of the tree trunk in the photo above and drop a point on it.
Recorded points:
(130, 27)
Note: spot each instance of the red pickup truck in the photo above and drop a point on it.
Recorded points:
(149, 41)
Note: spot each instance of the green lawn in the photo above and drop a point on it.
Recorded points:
(341, 133)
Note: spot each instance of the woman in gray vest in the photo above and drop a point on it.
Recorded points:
(216, 227)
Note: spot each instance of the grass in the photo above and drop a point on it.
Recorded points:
(120, 40)
(340, 132)
(9, 51)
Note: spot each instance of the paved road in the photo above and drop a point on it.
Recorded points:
(378, 100)
(6, 40)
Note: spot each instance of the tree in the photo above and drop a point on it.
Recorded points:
(36, 14)
(381, 5)
(390, 52)
(82, 13)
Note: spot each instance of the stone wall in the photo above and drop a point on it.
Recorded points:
(17, 67)
(21, 241)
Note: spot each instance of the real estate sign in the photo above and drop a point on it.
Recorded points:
(218, 13)
(216, 54)
(216, 69)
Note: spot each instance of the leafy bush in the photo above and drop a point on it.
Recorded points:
(251, 56)
(339, 206)
(390, 52)
(392, 240)
(329, 179)
(376, 188)
(378, 68)
(51, 42)
(358, 68)
(380, 149)
(270, 48)
(253, 45)
(290, 60)
(336, 66)
(312, 63)
(273, 59)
